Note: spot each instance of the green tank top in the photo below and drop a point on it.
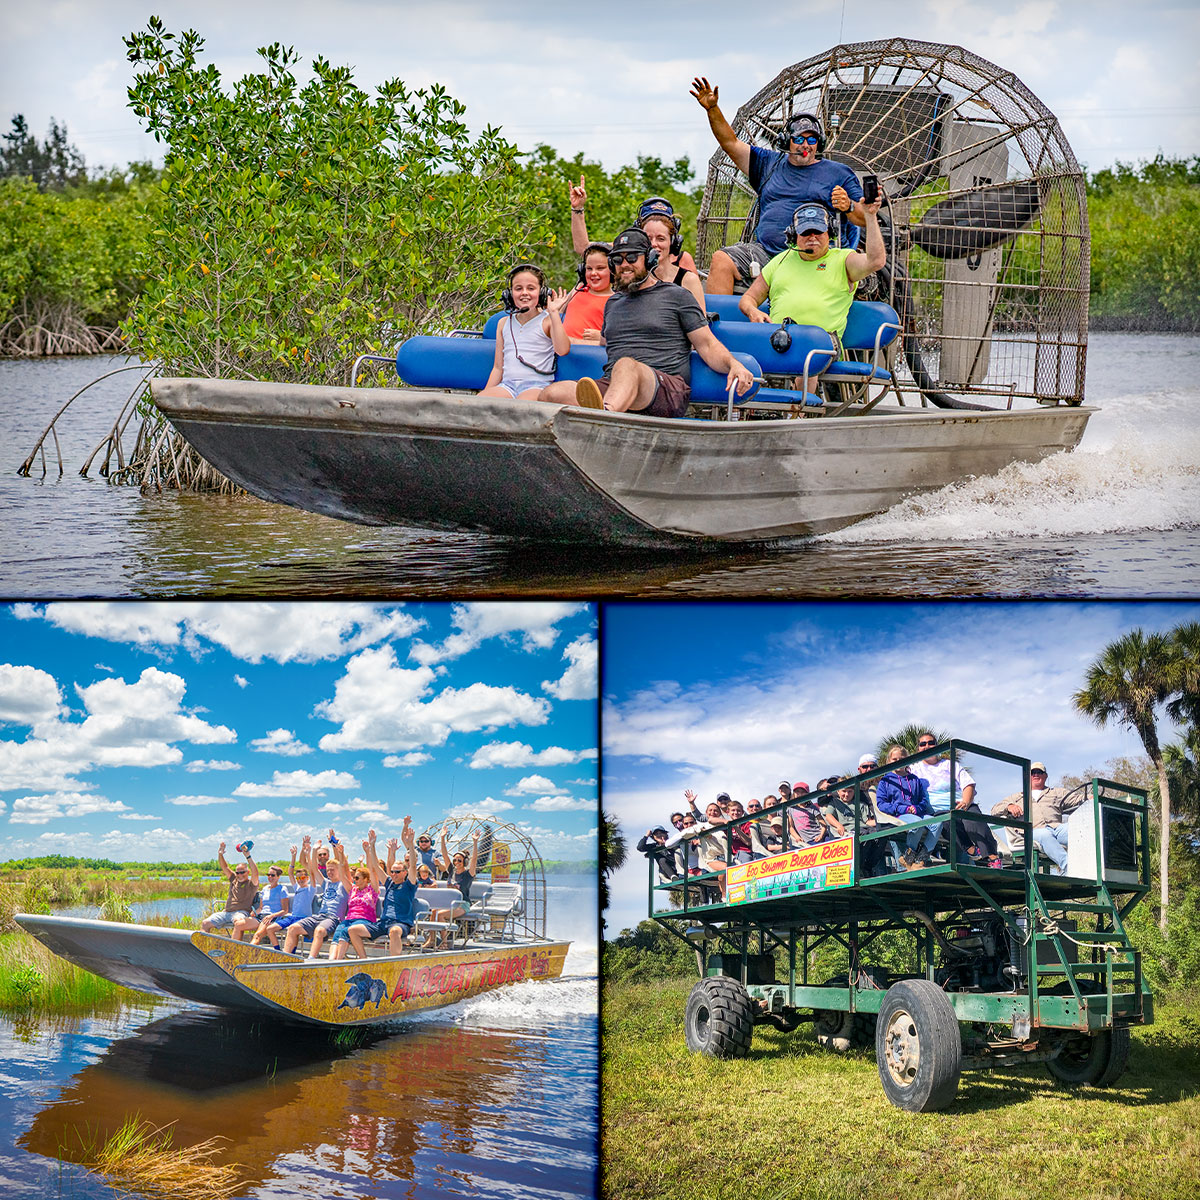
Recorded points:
(811, 293)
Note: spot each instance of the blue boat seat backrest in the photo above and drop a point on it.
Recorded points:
(755, 339)
(489, 328)
(863, 324)
(465, 363)
(726, 307)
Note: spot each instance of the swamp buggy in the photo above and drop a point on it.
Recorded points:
(1009, 966)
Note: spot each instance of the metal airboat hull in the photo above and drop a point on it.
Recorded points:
(212, 969)
(448, 460)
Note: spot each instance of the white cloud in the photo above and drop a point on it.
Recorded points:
(579, 680)
(212, 764)
(251, 631)
(532, 784)
(414, 758)
(280, 741)
(520, 754)
(297, 783)
(382, 706)
(259, 815)
(486, 808)
(127, 725)
(563, 804)
(536, 624)
(198, 801)
(358, 804)
(38, 810)
(241, 681)
(137, 817)
(29, 696)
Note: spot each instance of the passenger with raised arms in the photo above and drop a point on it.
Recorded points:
(529, 338)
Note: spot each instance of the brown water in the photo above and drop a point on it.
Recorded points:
(1115, 517)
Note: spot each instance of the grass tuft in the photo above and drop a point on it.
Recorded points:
(33, 979)
(141, 1159)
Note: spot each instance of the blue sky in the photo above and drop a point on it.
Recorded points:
(146, 731)
(736, 697)
(613, 81)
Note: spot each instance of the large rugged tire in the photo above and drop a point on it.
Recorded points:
(834, 1030)
(719, 1019)
(918, 1046)
(1096, 1060)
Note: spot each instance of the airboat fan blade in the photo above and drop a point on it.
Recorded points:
(977, 221)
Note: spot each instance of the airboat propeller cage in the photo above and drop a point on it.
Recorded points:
(986, 228)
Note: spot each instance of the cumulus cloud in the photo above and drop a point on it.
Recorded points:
(520, 754)
(486, 808)
(29, 696)
(357, 805)
(126, 725)
(414, 758)
(38, 810)
(137, 817)
(280, 741)
(579, 680)
(281, 632)
(260, 815)
(212, 764)
(562, 804)
(198, 801)
(532, 784)
(241, 681)
(535, 625)
(383, 706)
(297, 783)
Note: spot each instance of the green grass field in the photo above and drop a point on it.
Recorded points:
(797, 1122)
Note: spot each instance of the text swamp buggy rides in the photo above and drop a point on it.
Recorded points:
(965, 354)
(1007, 966)
(500, 940)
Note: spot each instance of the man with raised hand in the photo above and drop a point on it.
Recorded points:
(238, 915)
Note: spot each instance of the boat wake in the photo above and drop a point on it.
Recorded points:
(1137, 468)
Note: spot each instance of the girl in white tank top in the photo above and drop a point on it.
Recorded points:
(529, 339)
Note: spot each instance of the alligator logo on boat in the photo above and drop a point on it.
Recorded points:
(363, 988)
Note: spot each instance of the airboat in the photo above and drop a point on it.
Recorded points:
(964, 354)
(500, 939)
(948, 967)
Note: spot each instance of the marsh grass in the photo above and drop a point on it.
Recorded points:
(141, 1159)
(796, 1122)
(33, 979)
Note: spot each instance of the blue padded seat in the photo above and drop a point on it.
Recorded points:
(866, 316)
(489, 328)
(726, 307)
(811, 346)
(782, 396)
(708, 386)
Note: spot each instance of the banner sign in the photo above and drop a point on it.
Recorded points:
(811, 869)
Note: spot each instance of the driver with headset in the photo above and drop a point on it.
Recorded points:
(784, 179)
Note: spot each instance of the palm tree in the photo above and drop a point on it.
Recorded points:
(1131, 678)
(1185, 642)
(907, 737)
(612, 856)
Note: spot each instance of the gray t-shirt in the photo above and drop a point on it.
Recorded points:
(651, 325)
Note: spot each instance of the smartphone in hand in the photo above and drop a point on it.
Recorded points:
(870, 186)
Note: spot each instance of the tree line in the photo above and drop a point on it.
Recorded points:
(293, 227)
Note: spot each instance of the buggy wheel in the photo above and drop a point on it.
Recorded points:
(918, 1046)
(719, 1020)
(1097, 1059)
(834, 1030)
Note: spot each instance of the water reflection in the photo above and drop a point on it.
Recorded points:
(431, 1107)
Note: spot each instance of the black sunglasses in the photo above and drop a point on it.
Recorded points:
(625, 256)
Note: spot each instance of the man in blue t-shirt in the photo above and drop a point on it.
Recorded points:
(783, 180)
(398, 901)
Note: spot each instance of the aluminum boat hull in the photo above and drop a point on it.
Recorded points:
(212, 969)
(445, 460)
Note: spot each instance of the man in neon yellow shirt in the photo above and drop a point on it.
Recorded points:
(811, 282)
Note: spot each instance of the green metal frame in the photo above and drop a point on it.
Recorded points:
(1040, 911)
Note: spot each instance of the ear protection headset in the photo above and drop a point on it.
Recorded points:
(792, 233)
(506, 296)
(649, 251)
(660, 207)
(590, 248)
(784, 141)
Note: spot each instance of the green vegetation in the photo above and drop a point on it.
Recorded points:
(36, 981)
(794, 1121)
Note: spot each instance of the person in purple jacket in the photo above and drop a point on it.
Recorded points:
(902, 795)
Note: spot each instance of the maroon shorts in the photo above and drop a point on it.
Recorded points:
(672, 394)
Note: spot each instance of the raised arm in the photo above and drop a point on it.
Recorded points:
(579, 234)
(292, 868)
(222, 863)
(338, 867)
(552, 322)
(409, 838)
(706, 96)
(444, 861)
(473, 865)
(859, 265)
(253, 868)
(374, 870)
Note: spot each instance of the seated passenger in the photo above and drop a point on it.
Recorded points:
(809, 824)
(460, 875)
(783, 179)
(976, 841)
(330, 897)
(654, 847)
(650, 330)
(902, 795)
(661, 231)
(275, 898)
(529, 338)
(1048, 811)
(397, 902)
(238, 914)
(299, 904)
(651, 206)
(810, 282)
(583, 314)
(686, 858)
(362, 905)
(742, 849)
